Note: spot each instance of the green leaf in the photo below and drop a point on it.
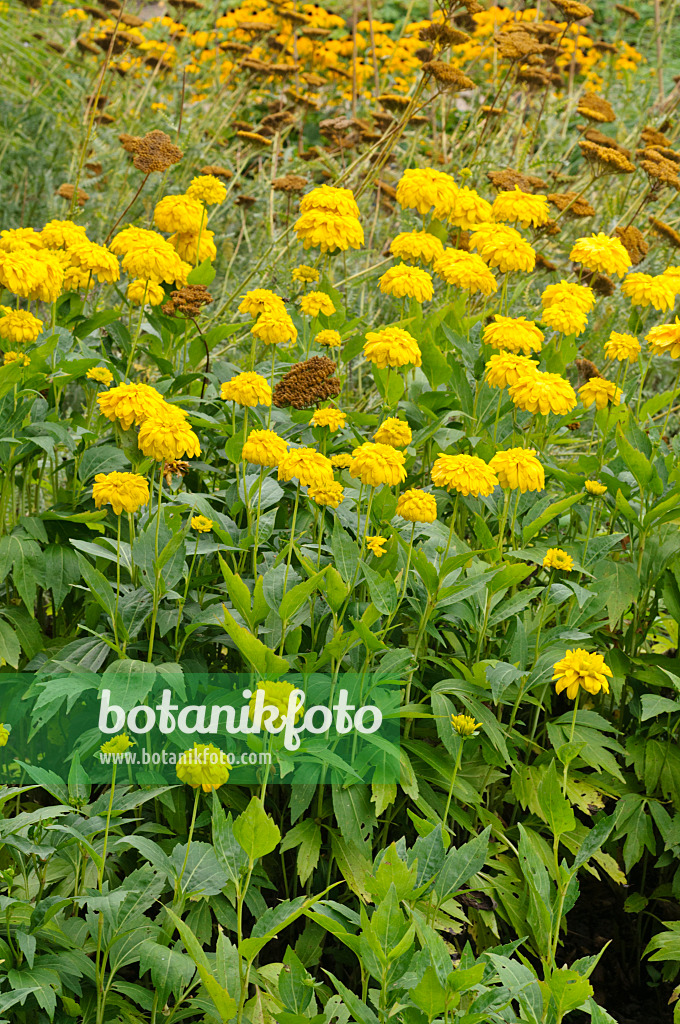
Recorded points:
(618, 584)
(229, 853)
(99, 586)
(461, 864)
(129, 681)
(204, 273)
(10, 648)
(554, 807)
(225, 1005)
(171, 971)
(636, 462)
(429, 994)
(568, 990)
(264, 661)
(61, 570)
(382, 590)
(255, 832)
(553, 511)
(294, 599)
(345, 552)
(653, 705)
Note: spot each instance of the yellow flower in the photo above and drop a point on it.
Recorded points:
(147, 292)
(665, 339)
(20, 238)
(465, 270)
(205, 766)
(556, 558)
(308, 466)
(517, 334)
(581, 669)
(564, 318)
(61, 234)
(466, 474)
(156, 263)
(117, 744)
(19, 272)
(341, 461)
(392, 346)
(50, 266)
(506, 368)
(316, 302)
(167, 436)
(202, 524)
(127, 491)
(328, 338)
(622, 346)
(179, 213)
(543, 393)
(595, 488)
(18, 325)
(404, 281)
(194, 248)
(136, 238)
(519, 468)
(376, 545)
(464, 208)
(305, 274)
(20, 358)
(247, 389)
(567, 293)
(101, 374)
(207, 189)
(464, 725)
(416, 245)
(334, 419)
(329, 231)
(645, 290)
(264, 448)
(131, 403)
(274, 329)
(417, 506)
(277, 695)
(515, 205)
(395, 432)
(599, 391)
(602, 254)
(503, 247)
(422, 189)
(327, 494)
(4, 735)
(376, 464)
(331, 200)
(96, 259)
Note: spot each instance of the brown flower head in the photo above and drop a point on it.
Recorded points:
(68, 191)
(667, 153)
(154, 152)
(442, 34)
(600, 283)
(607, 157)
(188, 301)
(652, 137)
(290, 183)
(575, 205)
(533, 76)
(572, 10)
(448, 75)
(628, 11)
(666, 231)
(663, 171)
(176, 468)
(596, 108)
(508, 178)
(544, 264)
(217, 171)
(85, 46)
(517, 45)
(307, 384)
(254, 138)
(634, 242)
(595, 135)
(391, 101)
(586, 370)
(279, 119)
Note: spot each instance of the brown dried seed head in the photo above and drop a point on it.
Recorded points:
(542, 263)
(575, 205)
(596, 108)
(516, 45)
(595, 135)
(67, 192)
(290, 183)
(628, 11)
(217, 171)
(391, 101)
(307, 384)
(586, 369)
(606, 156)
(443, 34)
(572, 10)
(448, 75)
(666, 231)
(188, 301)
(634, 241)
(652, 137)
(279, 119)
(508, 178)
(175, 468)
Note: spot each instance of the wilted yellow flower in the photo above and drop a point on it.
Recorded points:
(556, 558)
(580, 669)
(276, 695)
(465, 270)
(179, 213)
(101, 374)
(595, 488)
(514, 205)
(417, 506)
(131, 403)
(395, 432)
(307, 465)
(503, 247)
(305, 274)
(376, 545)
(328, 338)
(117, 744)
(404, 281)
(376, 464)
(127, 491)
(464, 725)
(202, 524)
(207, 189)
(168, 436)
(599, 391)
(19, 326)
(392, 346)
(543, 393)
(264, 448)
(645, 290)
(247, 389)
(205, 766)
(519, 468)
(416, 245)
(466, 474)
(504, 368)
(261, 300)
(517, 334)
(334, 419)
(316, 302)
(622, 346)
(327, 494)
(274, 329)
(602, 254)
